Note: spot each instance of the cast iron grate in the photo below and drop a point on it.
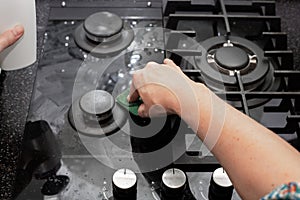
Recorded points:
(227, 13)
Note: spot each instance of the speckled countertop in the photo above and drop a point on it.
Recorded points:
(15, 94)
(16, 89)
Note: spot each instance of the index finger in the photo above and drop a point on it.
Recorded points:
(133, 94)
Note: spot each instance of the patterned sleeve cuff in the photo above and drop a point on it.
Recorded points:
(289, 191)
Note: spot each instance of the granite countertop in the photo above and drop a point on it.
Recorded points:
(16, 90)
(15, 94)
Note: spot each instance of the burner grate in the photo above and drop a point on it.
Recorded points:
(222, 16)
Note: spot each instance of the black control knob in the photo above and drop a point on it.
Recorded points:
(173, 184)
(220, 186)
(124, 185)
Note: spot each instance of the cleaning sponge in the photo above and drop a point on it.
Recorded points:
(132, 107)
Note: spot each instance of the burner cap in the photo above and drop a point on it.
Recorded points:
(97, 103)
(103, 34)
(232, 58)
(96, 114)
(103, 24)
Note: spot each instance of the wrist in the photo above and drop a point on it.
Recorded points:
(197, 107)
(188, 100)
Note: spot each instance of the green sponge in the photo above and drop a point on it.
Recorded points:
(131, 107)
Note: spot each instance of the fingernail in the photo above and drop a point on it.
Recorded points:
(141, 114)
(18, 30)
(128, 98)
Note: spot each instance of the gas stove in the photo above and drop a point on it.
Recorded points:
(100, 151)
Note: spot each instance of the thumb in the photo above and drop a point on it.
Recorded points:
(10, 36)
(142, 111)
(169, 62)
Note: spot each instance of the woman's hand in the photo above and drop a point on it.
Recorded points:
(253, 156)
(10, 36)
(161, 87)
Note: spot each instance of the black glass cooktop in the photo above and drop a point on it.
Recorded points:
(202, 37)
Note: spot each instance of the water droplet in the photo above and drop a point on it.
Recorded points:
(135, 58)
(134, 23)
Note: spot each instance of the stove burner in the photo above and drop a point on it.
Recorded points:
(96, 114)
(224, 57)
(232, 58)
(103, 34)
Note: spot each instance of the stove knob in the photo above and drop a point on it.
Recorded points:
(173, 184)
(124, 185)
(220, 186)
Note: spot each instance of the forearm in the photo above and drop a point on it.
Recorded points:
(256, 159)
